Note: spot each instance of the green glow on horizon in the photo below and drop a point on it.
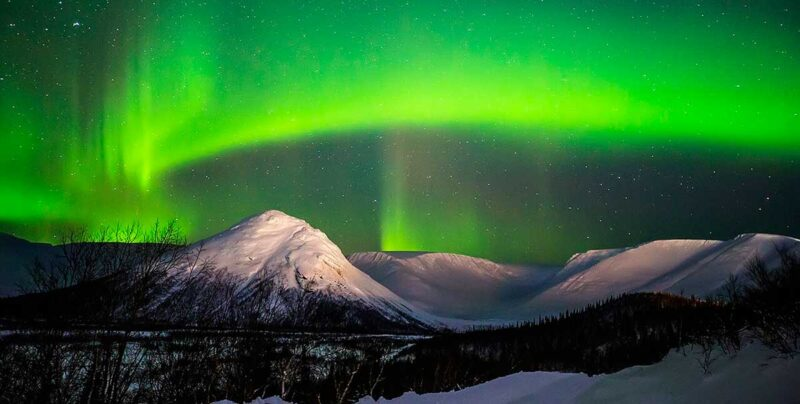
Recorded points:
(138, 92)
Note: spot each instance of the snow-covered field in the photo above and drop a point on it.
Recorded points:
(753, 375)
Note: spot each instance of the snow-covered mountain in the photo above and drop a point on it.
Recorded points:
(687, 267)
(465, 287)
(296, 261)
(452, 285)
(292, 260)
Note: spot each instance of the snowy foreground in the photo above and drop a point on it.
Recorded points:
(754, 375)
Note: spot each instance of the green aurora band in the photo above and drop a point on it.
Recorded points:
(101, 104)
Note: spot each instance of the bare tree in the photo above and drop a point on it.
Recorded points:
(288, 367)
(79, 259)
(773, 299)
(707, 355)
(261, 303)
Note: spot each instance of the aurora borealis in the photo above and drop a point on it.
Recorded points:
(517, 131)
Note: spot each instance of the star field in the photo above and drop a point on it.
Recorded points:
(516, 131)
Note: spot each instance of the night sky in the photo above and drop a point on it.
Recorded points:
(518, 131)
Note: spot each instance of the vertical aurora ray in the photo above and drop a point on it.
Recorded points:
(440, 193)
(164, 80)
(435, 216)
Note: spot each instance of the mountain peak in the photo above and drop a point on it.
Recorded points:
(294, 256)
(267, 230)
(270, 218)
(273, 240)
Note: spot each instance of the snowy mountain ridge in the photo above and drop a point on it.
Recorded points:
(694, 267)
(452, 285)
(298, 258)
(435, 289)
(463, 287)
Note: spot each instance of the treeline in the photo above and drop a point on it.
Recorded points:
(125, 366)
(87, 367)
(767, 302)
(628, 330)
